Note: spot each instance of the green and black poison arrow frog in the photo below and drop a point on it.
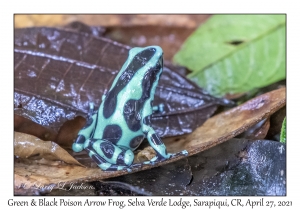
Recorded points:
(123, 119)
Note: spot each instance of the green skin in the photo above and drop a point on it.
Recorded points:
(111, 147)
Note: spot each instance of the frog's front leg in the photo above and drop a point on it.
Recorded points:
(108, 156)
(87, 131)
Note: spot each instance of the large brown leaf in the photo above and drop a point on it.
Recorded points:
(58, 72)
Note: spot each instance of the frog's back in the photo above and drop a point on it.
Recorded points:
(129, 100)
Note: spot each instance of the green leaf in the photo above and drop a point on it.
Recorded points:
(236, 53)
(283, 132)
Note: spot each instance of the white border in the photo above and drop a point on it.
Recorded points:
(150, 6)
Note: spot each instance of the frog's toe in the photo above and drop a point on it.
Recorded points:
(160, 158)
(150, 162)
(184, 152)
(136, 165)
(113, 167)
(77, 147)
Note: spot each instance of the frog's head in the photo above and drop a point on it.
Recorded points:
(152, 66)
(141, 62)
(137, 79)
(148, 64)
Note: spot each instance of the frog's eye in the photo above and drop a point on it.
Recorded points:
(158, 65)
(161, 61)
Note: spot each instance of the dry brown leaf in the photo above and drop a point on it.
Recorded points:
(214, 131)
(258, 131)
(24, 125)
(187, 21)
(235, 121)
(26, 146)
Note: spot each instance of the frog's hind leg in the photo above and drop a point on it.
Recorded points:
(102, 163)
(108, 156)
